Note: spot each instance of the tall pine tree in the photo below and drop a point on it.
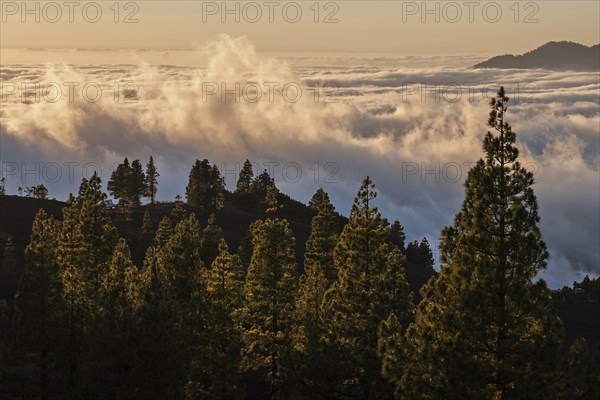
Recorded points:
(151, 181)
(136, 183)
(159, 371)
(270, 293)
(110, 363)
(262, 183)
(484, 330)
(397, 236)
(118, 184)
(180, 257)
(212, 235)
(39, 301)
(215, 356)
(244, 182)
(147, 236)
(85, 245)
(164, 232)
(370, 288)
(309, 354)
(322, 240)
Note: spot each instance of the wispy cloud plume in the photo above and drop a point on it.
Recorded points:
(414, 125)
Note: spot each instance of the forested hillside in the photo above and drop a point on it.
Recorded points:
(253, 295)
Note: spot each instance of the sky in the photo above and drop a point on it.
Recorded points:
(405, 27)
(319, 105)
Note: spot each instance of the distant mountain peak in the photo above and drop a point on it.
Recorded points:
(552, 55)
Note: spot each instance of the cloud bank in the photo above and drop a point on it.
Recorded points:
(414, 124)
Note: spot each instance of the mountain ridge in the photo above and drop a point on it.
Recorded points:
(17, 214)
(552, 55)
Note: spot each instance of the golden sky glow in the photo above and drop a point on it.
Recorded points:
(362, 26)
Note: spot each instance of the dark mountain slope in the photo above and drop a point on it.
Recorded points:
(17, 214)
(552, 55)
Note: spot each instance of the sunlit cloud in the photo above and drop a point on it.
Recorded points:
(413, 124)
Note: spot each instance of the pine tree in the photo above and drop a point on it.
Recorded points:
(39, 300)
(370, 289)
(425, 254)
(179, 212)
(261, 184)
(412, 253)
(85, 246)
(70, 250)
(136, 183)
(317, 199)
(147, 225)
(322, 240)
(151, 182)
(9, 262)
(212, 235)
(570, 384)
(225, 282)
(308, 351)
(124, 212)
(271, 286)
(585, 292)
(578, 373)
(146, 237)
(397, 236)
(272, 199)
(159, 368)
(121, 286)
(420, 254)
(245, 248)
(206, 187)
(484, 330)
(310, 358)
(163, 233)
(98, 234)
(40, 192)
(128, 183)
(217, 190)
(82, 188)
(180, 257)
(109, 368)
(118, 184)
(215, 361)
(244, 182)
(195, 330)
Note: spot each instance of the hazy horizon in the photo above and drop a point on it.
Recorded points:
(392, 27)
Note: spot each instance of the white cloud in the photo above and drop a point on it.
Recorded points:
(416, 151)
